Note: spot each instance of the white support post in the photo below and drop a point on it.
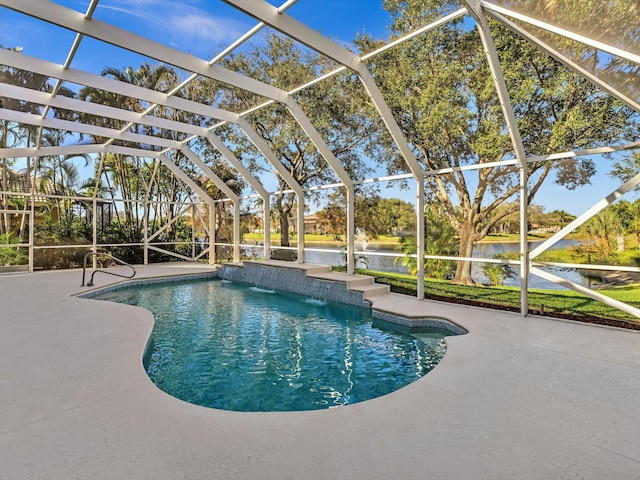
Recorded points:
(236, 231)
(300, 220)
(475, 9)
(193, 232)
(266, 223)
(94, 224)
(145, 222)
(212, 234)
(524, 244)
(351, 225)
(32, 223)
(420, 234)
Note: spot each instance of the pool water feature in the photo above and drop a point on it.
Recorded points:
(228, 346)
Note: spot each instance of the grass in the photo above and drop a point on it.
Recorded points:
(558, 302)
(629, 293)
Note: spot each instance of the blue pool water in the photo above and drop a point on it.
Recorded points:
(235, 347)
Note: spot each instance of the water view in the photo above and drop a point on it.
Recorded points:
(375, 260)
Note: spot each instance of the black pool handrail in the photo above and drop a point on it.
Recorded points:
(100, 254)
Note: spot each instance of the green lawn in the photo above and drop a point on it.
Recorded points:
(550, 301)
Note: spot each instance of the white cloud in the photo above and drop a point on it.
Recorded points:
(183, 24)
(194, 25)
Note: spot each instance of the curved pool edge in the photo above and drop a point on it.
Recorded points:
(134, 282)
(411, 325)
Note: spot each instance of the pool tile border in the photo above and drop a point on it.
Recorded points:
(293, 280)
(414, 324)
(146, 281)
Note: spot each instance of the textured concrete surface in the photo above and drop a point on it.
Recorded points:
(514, 399)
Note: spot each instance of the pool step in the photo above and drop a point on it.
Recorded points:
(371, 290)
(357, 283)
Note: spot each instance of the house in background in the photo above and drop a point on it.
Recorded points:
(17, 195)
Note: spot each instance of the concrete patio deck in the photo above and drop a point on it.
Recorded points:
(515, 398)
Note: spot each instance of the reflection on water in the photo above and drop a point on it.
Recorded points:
(224, 345)
(486, 250)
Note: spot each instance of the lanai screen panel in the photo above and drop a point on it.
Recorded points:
(601, 37)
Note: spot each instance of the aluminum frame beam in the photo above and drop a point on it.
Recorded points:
(566, 62)
(25, 94)
(80, 77)
(587, 292)
(92, 130)
(475, 9)
(36, 120)
(619, 52)
(75, 21)
(67, 63)
(99, 148)
(95, 81)
(270, 15)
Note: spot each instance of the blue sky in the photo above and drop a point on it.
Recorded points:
(194, 26)
(201, 26)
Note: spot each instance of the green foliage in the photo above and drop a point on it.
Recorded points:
(440, 239)
(12, 255)
(441, 91)
(333, 106)
(376, 216)
(497, 273)
(626, 168)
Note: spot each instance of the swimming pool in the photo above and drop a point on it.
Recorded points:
(235, 347)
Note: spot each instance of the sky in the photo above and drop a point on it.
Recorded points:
(200, 27)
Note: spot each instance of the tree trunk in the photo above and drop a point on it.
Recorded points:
(283, 207)
(463, 268)
(284, 229)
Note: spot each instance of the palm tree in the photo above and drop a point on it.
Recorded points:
(632, 213)
(562, 217)
(603, 227)
(13, 134)
(125, 174)
(58, 175)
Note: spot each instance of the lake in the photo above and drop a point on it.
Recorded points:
(375, 261)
